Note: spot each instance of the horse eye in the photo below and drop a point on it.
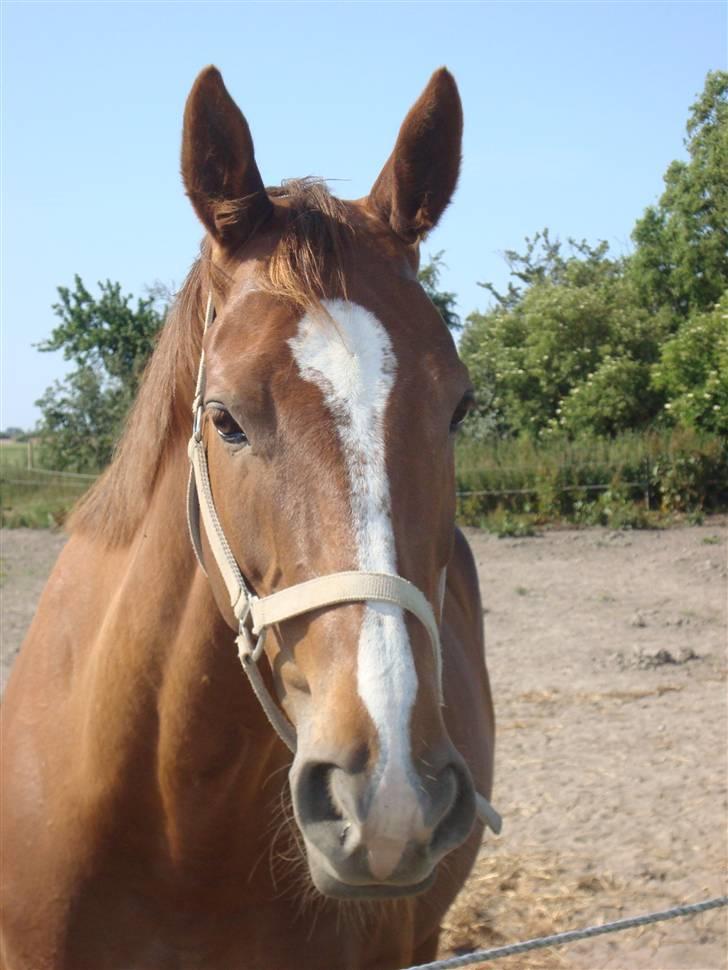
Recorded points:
(227, 427)
(462, 410)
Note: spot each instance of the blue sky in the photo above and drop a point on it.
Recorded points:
(572, 113)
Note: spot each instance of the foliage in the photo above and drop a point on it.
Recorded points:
(692, 479)
(82, 418)
(693, 371)
(543, 262)
(429, 277)
(509, 525)
(109, 340)
(630, 479)
(584, 343)
(616, 396)
(613, 509)
(105, 333)
(681, 257)
(569, 349)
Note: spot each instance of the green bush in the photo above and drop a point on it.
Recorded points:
(614, 509)
(693, 371)
(573, 352)
(109, 341)
(506, 525)
(626, 481)
(688, 478)
(616, 396)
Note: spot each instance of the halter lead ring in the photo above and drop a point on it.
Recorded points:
(255, 614)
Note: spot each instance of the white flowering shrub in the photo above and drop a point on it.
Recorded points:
(574, 356)
(617, 395)
(693, 371)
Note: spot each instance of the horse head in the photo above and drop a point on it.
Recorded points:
(332, 393)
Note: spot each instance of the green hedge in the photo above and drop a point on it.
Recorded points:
(592, 481)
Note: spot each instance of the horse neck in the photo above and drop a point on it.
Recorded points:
(200, 741)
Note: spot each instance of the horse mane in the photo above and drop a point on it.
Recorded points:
(308, 261)
(307, 264)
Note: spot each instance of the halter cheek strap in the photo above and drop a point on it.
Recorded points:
(256, 614)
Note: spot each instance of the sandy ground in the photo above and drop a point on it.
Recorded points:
(607, 654)
(26, 559)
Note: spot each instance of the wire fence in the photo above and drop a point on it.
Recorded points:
(42, 483)
(20, 476)
(534, 489)
(75, 480)
(37, 497)
(79, 479)
(60, 474)
(571, 936)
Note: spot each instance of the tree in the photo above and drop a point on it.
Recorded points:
(589, 344)
(82, 418)
(681, 256)
(429, 277)
(693, 371)
(568, 347)
(110, 341)
(543, 262)
(107, 333)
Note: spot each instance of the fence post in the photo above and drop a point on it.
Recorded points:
(647, 484)
(30, 455)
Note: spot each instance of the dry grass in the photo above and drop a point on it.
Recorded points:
(510, 898)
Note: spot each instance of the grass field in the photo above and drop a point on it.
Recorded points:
(14, 454)
(31, 496)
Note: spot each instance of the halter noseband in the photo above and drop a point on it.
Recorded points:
(256, 613)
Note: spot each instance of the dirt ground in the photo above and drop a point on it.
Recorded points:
(607, 653)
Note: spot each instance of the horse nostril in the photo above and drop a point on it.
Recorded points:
(458, 814)
(315, 802)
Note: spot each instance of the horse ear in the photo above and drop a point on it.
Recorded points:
(218, 163)
(419, 177)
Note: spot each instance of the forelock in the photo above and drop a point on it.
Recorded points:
(307, 264)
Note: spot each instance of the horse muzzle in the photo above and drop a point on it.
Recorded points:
(376, 834)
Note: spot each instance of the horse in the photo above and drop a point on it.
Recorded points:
(161, 810)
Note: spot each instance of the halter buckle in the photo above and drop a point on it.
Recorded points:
(249, 649)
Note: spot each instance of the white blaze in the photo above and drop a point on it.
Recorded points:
(354, 366)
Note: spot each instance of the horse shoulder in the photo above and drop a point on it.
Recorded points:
(54, 717)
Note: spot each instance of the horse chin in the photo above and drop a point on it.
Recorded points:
(350, 880)
(329, 885)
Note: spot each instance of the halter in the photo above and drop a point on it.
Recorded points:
(256, 613)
